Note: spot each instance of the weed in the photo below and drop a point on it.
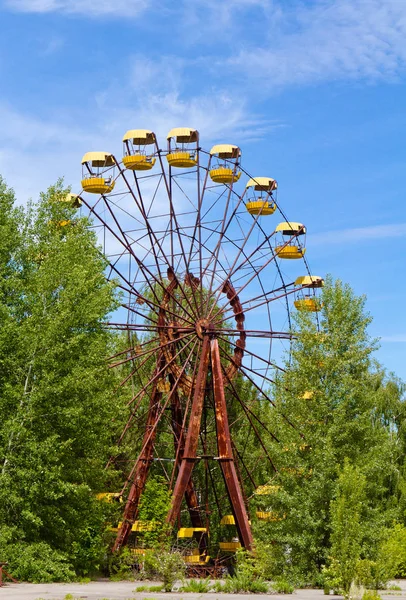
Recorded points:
(394, 587)
(371, 595)
(197, 586)
(282, 586)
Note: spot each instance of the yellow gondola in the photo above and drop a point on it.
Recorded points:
(73, 200)
(136, 157)
(269, 516)
(305, 301)
(163, 386)
(140, 526)
(183, 144)
(196, 559)
(259, 196)
(98, 172)
(267, 489)
(227, 520)
(289, 245)
(230, 546)
(227, 168)
(188, 532)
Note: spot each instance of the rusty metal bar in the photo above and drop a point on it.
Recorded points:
(192, 437)
(226, 457)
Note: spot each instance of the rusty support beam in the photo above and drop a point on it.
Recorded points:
(192, 437)
(141, 472)
(225, 451)
(192, 501)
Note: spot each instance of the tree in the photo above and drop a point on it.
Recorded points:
(56, 391)
(337, 402)
(346, 526)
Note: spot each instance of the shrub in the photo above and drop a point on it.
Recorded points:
(282, 586)
(248, 576)
(371, 595)
(38, 563)
(197, 586)
(121, 565)
(166, 566)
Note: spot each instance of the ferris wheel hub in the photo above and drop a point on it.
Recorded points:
(202, 325)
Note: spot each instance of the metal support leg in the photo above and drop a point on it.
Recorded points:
(226, 457)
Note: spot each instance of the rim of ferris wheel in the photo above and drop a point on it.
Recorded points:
(190, 271)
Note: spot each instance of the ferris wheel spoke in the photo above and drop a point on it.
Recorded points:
(172, 221)
(148, 275)
(140, 205)
(131, 349)
(256, 274)
(203, 271)
(261, 391)
(267, 362)
(159, 372)
(224, 228)
(123, 241)
(149, 351)
(248, 471)
(155, 425)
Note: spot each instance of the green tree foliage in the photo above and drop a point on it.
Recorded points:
(56, 398)
(346, 526)
(341, 405)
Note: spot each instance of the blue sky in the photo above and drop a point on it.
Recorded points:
(313, 92)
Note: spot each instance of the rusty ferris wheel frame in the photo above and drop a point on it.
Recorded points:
(193, 267)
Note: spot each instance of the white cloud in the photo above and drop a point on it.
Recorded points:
(359, 234)
(397, 338)
(329, 40)
(34, 152)
(89, 8)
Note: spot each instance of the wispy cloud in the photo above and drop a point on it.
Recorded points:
(359, 234)
(329, 40)
(34, 152)
(89, 8)
(397, 338)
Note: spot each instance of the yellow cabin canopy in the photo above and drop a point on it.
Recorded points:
(99, 159)
(187, 532)
(227, 520)
(265, 490)
(183, 135)
(313, 281)
(262, 184)
(139, 137)
(73, 199)
(225, 151)
(291, 228)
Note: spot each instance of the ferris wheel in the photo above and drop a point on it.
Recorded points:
(208, 267)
